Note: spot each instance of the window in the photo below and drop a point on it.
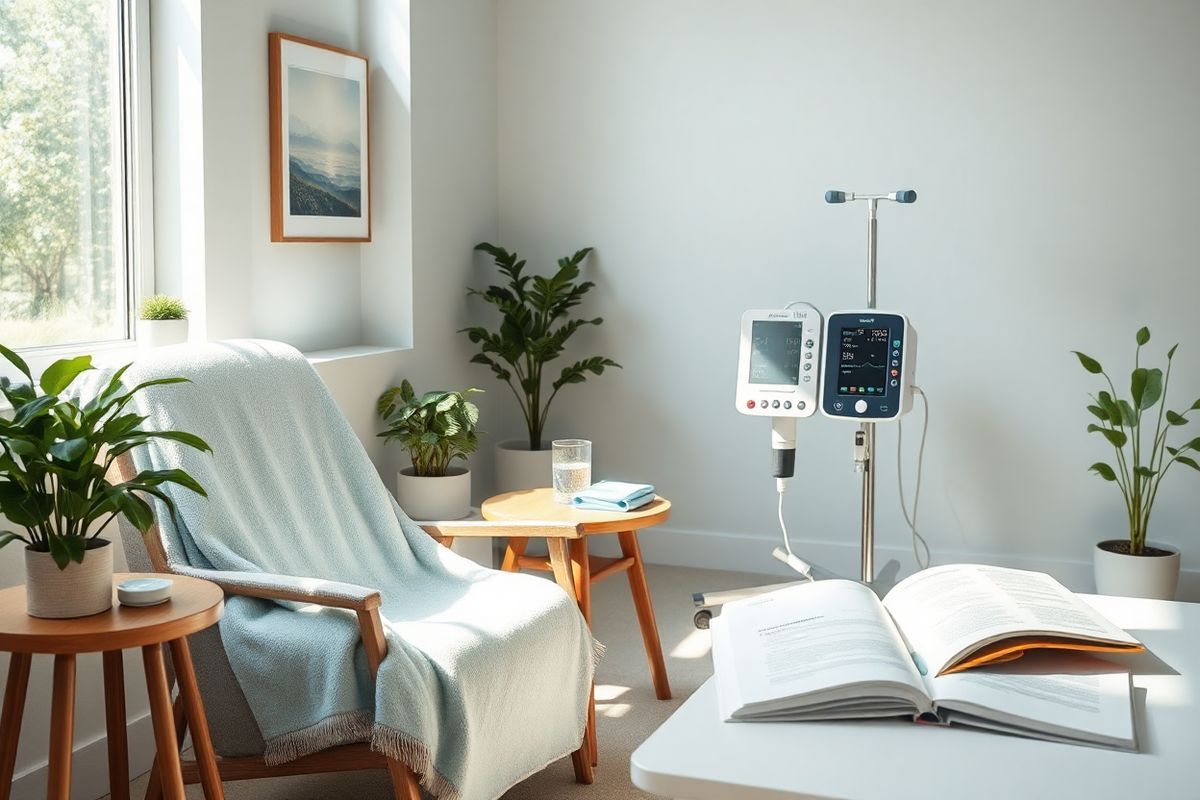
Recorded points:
(65, 243)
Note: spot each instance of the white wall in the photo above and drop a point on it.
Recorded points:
(691, 144)
(304, 294)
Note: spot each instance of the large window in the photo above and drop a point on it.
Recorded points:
(65, 268)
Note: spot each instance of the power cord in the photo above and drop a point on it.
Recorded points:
(785, 554)
(912, 521)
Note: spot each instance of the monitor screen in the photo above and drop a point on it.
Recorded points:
(775, 351)
(863, 365)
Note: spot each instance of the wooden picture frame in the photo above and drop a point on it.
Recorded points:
(320, 141)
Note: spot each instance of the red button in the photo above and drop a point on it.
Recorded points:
(895, 372)
(749, 404)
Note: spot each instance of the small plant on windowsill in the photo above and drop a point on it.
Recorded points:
(436, 428)
(162, 320)
(1143, 457)
(55, 454)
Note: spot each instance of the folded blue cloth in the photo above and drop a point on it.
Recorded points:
(614, 496)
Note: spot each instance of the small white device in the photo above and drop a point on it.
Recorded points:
(870, 362)
(144, 591)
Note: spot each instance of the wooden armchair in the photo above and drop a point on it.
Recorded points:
(235, 735)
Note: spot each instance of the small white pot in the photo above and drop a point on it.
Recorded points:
(80, 590)
(1153, 577)
(518, 467)
(448, 497)
(161, 332)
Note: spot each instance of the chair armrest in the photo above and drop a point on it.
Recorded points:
(285, 587)
(549, 530)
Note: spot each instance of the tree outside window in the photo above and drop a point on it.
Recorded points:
(63, 265)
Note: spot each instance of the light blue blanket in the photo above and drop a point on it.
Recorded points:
(487, 674)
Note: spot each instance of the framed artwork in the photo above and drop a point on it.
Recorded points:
(320, 142)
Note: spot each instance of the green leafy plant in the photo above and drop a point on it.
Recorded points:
(1142, 459)
(435, 428)
(55, 456)
(534, 329)
(162, 307)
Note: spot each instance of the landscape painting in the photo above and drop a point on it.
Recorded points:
(320, 160)
(324, 156)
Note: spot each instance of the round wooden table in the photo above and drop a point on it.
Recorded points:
(538, 504)
(194, 605)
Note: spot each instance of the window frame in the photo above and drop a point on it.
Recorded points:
(135, 190)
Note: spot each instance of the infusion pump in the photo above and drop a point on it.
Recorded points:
(779, 362)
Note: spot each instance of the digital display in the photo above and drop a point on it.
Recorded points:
(863, 364)
(775, 351)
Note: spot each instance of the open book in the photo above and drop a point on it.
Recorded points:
(833, 650)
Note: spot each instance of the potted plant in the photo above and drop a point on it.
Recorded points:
(55, 453)
(535, 325)
(162, 320)
(1135, 566)
(436, 429)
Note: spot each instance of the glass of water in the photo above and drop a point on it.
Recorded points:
(572, 468)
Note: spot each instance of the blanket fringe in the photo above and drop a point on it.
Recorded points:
(598, 650)
(400, 746)
(345, 728)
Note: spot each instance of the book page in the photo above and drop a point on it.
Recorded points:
(948, 612)
(810, 641)
(1048, 695)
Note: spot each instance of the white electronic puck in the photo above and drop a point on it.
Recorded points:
(144, 591)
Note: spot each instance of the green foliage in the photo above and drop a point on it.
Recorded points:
(161, 306)
(534, 329)
(435, 428)
(56, 164)
(55, 455)
(1142, 457)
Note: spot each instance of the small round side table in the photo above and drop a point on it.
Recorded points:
(194, 605)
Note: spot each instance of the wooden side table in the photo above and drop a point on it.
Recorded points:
(538, 504)
(194, 606)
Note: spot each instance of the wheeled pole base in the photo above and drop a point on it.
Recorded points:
(708, 602)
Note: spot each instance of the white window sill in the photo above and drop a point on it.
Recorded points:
(351, 353)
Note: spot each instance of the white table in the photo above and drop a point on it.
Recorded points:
(696, 756)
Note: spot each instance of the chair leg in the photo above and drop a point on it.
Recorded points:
(581, 760)
(404, 783)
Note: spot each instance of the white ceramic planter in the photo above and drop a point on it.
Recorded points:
(448, 497)
(1153, 577)
(518, 467)
(153, 333)
(80, 590)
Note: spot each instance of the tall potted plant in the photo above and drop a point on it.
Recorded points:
(55, 454)
(436, 429)
(162, 321)
(535, 326)
(1135, 566)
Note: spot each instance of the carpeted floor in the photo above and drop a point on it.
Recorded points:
(626, 709)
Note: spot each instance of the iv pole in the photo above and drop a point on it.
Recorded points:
(864, 439)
